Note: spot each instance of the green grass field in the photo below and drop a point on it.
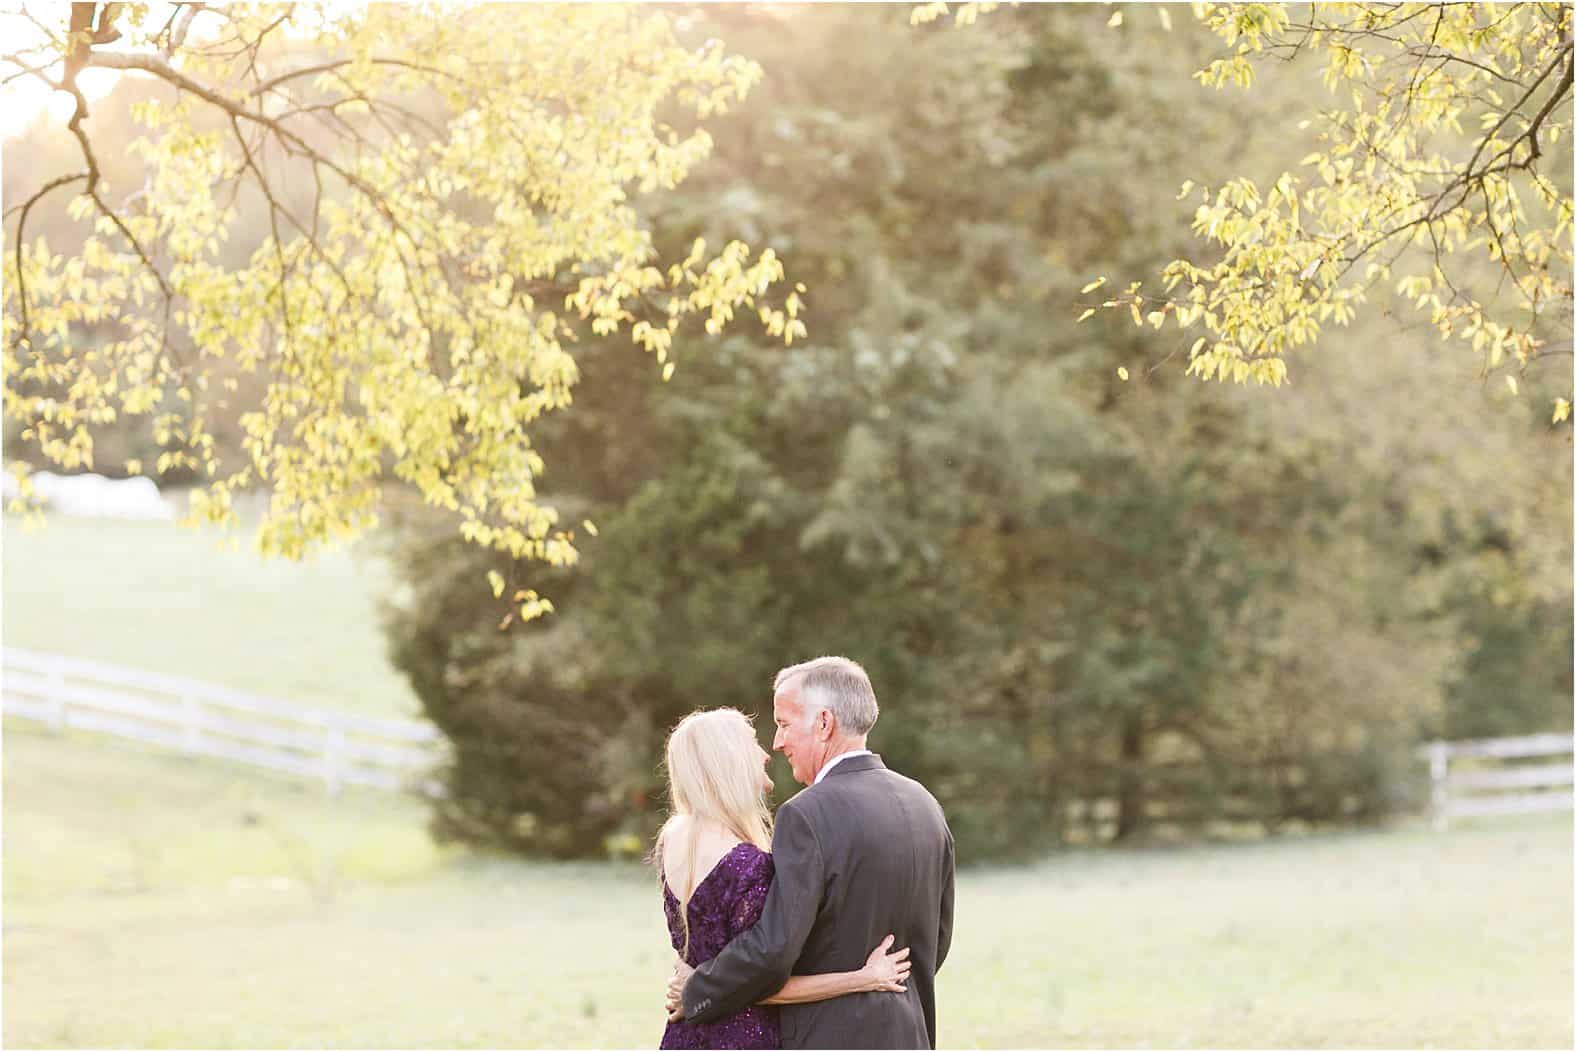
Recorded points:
(153, 596)
(154, 902)
(150, 901)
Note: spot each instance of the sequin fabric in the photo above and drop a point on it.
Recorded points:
(727, 901)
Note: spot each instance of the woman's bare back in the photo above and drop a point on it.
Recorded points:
(712, 845)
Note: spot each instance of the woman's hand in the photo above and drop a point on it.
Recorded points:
(676, 981)
(883, 973)
(886, 972)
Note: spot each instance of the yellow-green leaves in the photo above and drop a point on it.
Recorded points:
(1397, 181)
(1090, 287)
(1238, 70)
(532, 606)
(414, 307)
(966, 14)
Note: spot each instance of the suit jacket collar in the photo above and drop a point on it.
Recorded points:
(855, 764)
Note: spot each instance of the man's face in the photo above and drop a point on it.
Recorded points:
(796, 738)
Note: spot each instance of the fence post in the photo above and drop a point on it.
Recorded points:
(192, 728)
(56, 694)
(334, 759)
(1438, 770)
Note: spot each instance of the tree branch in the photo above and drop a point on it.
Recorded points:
(21, 239)
(181, 24)
(1562, 59)
(329, 67)
(1560, 90)
(163, 70)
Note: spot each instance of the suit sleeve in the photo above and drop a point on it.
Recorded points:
(756, 963)
(944, 932)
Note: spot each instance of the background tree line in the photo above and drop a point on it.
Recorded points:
(1092, 607)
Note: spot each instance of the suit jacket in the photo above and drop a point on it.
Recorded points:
(864, 853)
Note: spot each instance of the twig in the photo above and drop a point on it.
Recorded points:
(21, 239)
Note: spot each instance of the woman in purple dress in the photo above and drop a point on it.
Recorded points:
(713, 858)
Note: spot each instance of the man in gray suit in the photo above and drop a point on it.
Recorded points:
(861, 853)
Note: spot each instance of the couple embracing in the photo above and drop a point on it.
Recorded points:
(826, 931)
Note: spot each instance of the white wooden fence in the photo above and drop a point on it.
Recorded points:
(1470, 778)
(202, 719)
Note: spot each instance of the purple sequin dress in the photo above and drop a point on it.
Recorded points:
(727, 901)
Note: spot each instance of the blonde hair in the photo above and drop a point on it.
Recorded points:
(714, 774)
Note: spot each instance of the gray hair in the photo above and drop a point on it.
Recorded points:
(838, 685)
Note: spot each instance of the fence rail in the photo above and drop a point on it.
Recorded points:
(203, 719)
(1456, 792)
(1469, 778)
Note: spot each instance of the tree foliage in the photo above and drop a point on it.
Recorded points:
(453, 200)
(1091, 609)
(1437, 170)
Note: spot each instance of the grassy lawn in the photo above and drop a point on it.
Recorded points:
(153, 902)
(156, 597)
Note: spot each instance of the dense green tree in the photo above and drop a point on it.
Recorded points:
(1069, 590)
(1513, 673)
(1097, 599)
